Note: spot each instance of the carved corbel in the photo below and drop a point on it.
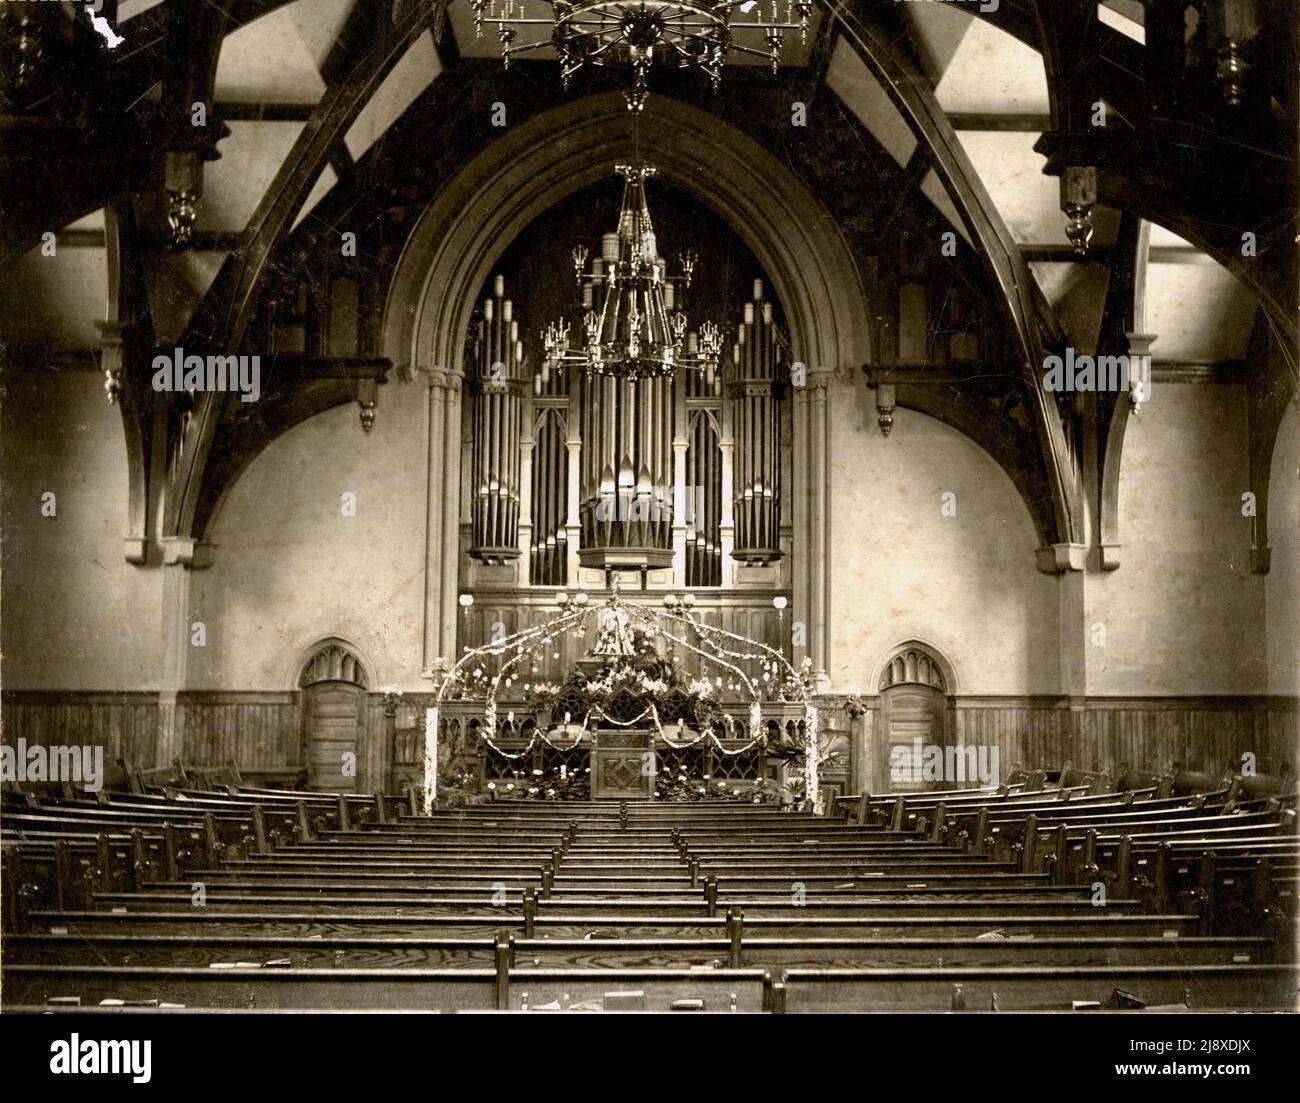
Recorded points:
(1060, 558)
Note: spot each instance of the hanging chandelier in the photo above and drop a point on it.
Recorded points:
(685, 34)
(638, 333)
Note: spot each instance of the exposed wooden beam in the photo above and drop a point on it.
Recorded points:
(264, 112)
(1179, 254)
(1053, 253)
(126, 338)
(1123, 315)
(223, 317)
(1030, 317)
(1003, 123)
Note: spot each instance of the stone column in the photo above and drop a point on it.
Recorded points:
(433, 611)
(819, 524)
(800, 503)
(180, 556)
(449, 565)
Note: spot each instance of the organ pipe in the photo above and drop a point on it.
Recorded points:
(755, 392)
(626, 481)
(497, 382)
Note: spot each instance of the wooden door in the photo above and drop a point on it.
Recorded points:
(334, 719)
(913, 720)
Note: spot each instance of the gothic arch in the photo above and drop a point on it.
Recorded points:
(461, 235)
(914, 662)
(331, 659)
(494, 198)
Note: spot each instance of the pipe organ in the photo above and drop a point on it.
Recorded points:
(704, 479)
(626, 489)
(548, 553)
(584, 473)
(756, 389)
(497, 384)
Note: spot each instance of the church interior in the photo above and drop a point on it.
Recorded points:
(646, 505)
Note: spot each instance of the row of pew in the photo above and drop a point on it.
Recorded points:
(1050, 897)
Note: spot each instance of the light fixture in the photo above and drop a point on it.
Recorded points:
(634, 336)
(684, 34)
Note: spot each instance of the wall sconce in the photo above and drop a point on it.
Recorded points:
(1078, 197)
(367, 399)
(779, 603)
(885, 408)
(1233, 25)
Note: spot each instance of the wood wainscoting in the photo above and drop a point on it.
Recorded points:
(1196, 733)
(258, 729)
(263, 729)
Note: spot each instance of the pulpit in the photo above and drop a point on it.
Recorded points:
(622, 764)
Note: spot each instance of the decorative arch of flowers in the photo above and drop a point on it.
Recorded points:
(675, 622)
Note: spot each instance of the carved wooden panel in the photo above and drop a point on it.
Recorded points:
(618, 775)
(334, 663)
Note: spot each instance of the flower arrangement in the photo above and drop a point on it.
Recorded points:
(685, 785)
(548, 785)
(541, 694)
(457, 788)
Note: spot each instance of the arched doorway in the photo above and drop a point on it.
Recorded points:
(333, 684)
(913, 708)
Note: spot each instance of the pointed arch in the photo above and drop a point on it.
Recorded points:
(332, 659)
(915, 662)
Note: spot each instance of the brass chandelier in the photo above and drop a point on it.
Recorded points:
(686, 34)
(638, 332)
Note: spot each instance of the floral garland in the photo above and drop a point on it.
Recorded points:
(649, 710)
(516, 646)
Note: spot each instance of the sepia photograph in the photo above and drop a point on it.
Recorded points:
(764, 507)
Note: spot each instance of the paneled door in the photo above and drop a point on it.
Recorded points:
(333, 719)
(912, 719)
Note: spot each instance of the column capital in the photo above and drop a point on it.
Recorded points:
(443, 379)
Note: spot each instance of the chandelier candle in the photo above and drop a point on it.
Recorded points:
(683, 34)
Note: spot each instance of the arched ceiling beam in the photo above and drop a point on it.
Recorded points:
(126, 339)
(222, 318)
(1123, 319)
(1031, 321)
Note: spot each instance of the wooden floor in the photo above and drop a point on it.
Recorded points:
(258, 900)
